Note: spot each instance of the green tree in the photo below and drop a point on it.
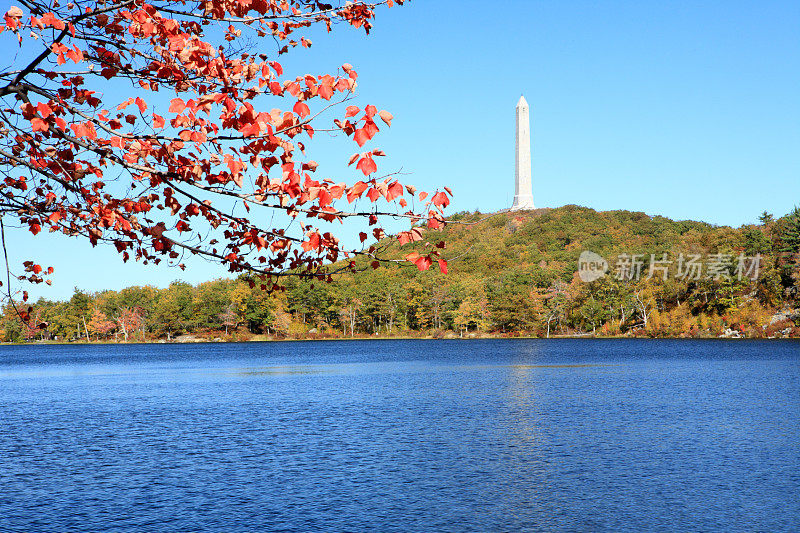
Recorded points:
(593, 313)
(77, 315)
(172, 312)
(211, 299)
(790, 251)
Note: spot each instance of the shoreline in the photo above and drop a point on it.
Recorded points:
(396, 338)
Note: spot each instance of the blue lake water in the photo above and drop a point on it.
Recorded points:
(480, 435)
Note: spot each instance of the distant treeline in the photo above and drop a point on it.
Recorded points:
(510, 274)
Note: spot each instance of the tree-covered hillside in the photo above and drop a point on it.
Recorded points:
(508, 273)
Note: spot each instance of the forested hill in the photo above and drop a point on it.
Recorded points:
(544, 245)
(510, 273)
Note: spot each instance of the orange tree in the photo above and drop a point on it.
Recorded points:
(204, 154)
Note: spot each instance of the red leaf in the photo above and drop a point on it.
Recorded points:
(49, 19)
(367, 165)
(301, 109)
(124, 104)
(176, 105)
(75, 54)
(373, 194)
(313, 241)
(324, 198)
(325, 92)
(293, 88)
(38, 124)
(85, 129)
(356, 190)
(435, 220)
(394, 190)
(440, 198)
(386, 117)
(423, 262)
(370, 111)
(371, 129)
(43, 109)
(352, 111)
(406, 237)
(443, 266)
(337, 190)
(361, 137)
(158, 121)
(250, 130)
(141, 104)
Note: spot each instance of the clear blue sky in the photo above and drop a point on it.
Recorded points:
(685, 109)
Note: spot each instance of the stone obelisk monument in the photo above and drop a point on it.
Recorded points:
(523, 184)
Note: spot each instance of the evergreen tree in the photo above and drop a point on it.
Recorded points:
(790, 236)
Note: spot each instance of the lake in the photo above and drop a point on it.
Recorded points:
(478, 435)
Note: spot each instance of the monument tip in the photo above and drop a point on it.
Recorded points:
(522, 102)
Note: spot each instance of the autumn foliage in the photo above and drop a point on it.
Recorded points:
(205, 154)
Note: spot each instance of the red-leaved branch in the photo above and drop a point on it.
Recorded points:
(205, 153)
